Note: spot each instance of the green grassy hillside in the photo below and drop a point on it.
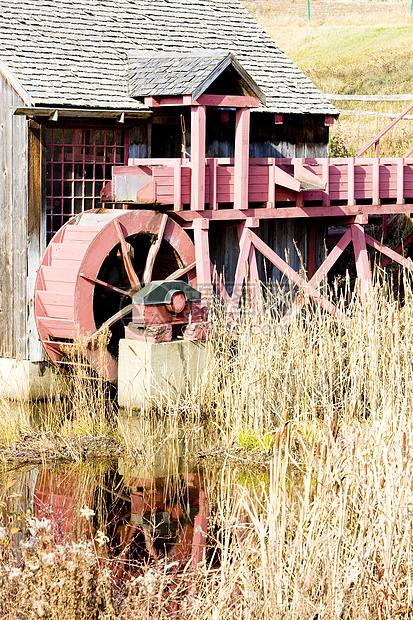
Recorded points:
(349, 48)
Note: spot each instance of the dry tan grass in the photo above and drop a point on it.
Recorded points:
(326, 533)
(353, 47)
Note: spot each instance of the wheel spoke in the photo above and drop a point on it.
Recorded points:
(181, 272)
(153, 251)
(109, 322)
(133, 278)
(110, 287)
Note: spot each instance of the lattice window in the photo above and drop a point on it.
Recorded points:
(78, 164)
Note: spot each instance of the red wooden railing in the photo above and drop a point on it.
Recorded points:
(323, 182)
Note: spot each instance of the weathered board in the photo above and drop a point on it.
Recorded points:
(13, 226)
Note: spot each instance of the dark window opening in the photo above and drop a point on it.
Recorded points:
(166, 140)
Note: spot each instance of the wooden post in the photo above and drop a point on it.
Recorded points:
(241, 158)
(213, 166)
(376, 181)
(350, 180)
(252, 277)
(271, 183)
(326, 181)
(203, 262)
(177, 185)
(198, 139)
(311, 249)
(362, 260)
(241, 269)
(400, 181)
(35, 228)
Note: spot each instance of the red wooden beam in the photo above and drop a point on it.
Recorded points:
(133, 278)
(241, 158)
(157, 102)
(217, 101)
(398, 249)
(198, 137)
(285, 180)
(241, 269)
(391, 254)
(292, 275)
(252, 277)
(295, 212)
(362, 260)
(213, 166)
(331, 259)
(228, 101)
(202, 258)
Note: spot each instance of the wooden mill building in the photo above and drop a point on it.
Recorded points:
(79, 91)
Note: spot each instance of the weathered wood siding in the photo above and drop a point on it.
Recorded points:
(298, 136)
(36, 231)
(13, 226)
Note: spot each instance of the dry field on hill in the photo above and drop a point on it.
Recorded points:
(362, 48)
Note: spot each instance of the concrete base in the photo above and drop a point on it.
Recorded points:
(25, 380)
(154, 373)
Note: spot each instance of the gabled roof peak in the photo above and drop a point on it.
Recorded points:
(188, 73)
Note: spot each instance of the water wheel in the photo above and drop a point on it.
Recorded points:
(91, 269)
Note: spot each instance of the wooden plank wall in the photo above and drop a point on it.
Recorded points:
(36, 231)
(13, 226)
(297, 136)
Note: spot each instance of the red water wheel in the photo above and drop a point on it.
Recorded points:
(91, 269)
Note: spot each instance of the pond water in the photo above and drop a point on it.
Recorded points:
(157, 503)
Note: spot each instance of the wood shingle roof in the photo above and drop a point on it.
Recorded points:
(166, 73)
(75, 52)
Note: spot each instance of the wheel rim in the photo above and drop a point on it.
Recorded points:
(101, 273)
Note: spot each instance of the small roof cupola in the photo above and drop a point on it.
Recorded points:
(162, 74)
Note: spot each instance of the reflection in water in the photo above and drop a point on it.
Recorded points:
(165, 518)
(129, 536)
(56, 497)
(144, 518)
(150, 509)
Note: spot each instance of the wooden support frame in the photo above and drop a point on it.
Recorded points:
(249, 242)
(310, 187)
(215, 101)
(198, 140)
